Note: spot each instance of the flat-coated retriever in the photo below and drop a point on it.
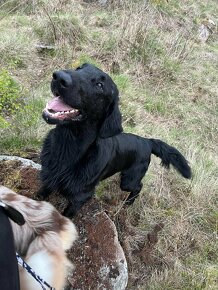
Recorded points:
(87, 144)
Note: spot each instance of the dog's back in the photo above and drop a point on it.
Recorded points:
(131, 155)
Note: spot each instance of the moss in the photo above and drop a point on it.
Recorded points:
(10, 175)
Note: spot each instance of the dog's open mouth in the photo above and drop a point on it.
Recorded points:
(57, 109)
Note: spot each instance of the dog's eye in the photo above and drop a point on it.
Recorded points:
(100, 86)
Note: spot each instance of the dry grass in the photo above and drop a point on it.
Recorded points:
(167, 80)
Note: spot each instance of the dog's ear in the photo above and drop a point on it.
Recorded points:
(112, 124)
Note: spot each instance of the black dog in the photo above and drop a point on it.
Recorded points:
(87, 145)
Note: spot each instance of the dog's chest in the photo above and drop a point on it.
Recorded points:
(62, 167)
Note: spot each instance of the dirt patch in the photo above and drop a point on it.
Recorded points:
(139, 247)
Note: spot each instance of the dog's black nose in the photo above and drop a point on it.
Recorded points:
(63, 78)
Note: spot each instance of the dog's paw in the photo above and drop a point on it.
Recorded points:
(38, 197)
(69, 211)
(42, 194)
(130, 200)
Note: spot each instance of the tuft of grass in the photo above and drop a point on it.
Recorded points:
(24, 127)
(62, 29)
(15, 49)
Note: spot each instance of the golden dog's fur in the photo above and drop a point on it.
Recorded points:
(42, 240)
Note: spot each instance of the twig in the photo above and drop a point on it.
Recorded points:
(52, 22)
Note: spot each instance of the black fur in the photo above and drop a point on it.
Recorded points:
(78, 153)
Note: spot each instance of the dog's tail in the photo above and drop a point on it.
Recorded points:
(170, 155)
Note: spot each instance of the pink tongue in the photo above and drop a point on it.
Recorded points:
(56, 104)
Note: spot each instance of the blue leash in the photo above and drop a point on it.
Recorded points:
(24, 265)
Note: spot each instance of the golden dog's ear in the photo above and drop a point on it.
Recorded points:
(112, 124)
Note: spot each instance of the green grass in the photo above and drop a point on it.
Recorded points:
(24, 127)
(168, 90)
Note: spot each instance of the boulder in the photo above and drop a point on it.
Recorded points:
(98, 257)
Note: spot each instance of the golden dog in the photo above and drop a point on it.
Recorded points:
(41, 241)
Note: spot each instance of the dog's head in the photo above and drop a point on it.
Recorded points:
(86, 94)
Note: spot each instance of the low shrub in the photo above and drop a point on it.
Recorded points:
(10, 93)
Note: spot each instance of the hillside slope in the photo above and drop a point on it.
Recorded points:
(167, 77)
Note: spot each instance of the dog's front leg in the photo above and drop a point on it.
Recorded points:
(43, 193)
(76, 202)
